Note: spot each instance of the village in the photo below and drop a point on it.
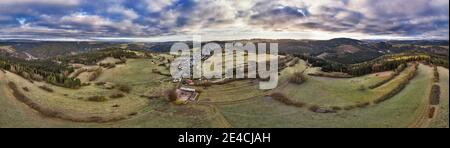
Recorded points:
(187, 94)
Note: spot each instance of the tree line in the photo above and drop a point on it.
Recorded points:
(56, 71)
(40, 70)
(92, 58)
(383, 63)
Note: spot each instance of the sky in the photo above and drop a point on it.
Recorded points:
(166, 20)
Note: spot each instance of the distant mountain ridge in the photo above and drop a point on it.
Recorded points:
(342, 50)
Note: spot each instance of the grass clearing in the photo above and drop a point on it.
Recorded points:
(398, 111)
(441, 120)
(138, 111)
(324, 91)
(230, 92)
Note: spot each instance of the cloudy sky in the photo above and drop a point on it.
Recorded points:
(158, 20)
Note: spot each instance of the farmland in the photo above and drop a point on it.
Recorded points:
(396, 112)
(147, 112)
(235, 104)
(129, 88)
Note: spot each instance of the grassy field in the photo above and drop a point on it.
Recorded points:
(398, 111)
(324, 91)
(75, 103)
(243, 89)
(230, 92)
(235, 104)
(441, 120)
(138, 111)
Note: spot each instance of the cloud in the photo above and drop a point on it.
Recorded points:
(221, 18)
(125, 12)
(372, 17)
(92, 24)
(21, 21)
(4, 18)
(158, 5)
(85, 19)
(46, 2)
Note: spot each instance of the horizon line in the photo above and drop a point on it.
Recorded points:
(152, 39)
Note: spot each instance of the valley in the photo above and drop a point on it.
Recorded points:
(127, 87)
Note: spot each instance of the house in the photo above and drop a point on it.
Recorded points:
(189, 82)
(186, 95)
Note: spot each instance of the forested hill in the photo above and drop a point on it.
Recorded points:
(47, 49)
(56, 70)
(340, 50)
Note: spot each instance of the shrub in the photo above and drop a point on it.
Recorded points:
(100, 83)
(400, 68)
(46, 88)
(436, 74)
(37, 77)
(362, 105)
(109, 86)
(297, 78)
(314, 108)
(25, 75)
(336, 108)
(431, 112)
(123, 60)
(331, 75)
(124, 88)
(349, 107)
(26, 89)
(200, 91)
(435, 95)
(171, 94)
(179, 102)
(150, 97)
(284, 99)
(160, 72)
(97, 98)
(115, 96)
(156, 71)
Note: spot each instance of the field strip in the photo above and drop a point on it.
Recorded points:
(52, 113)
(423, 120)
(231, 102)
(267, 115)
(222, 119)
(394, 75)
(391, 93)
